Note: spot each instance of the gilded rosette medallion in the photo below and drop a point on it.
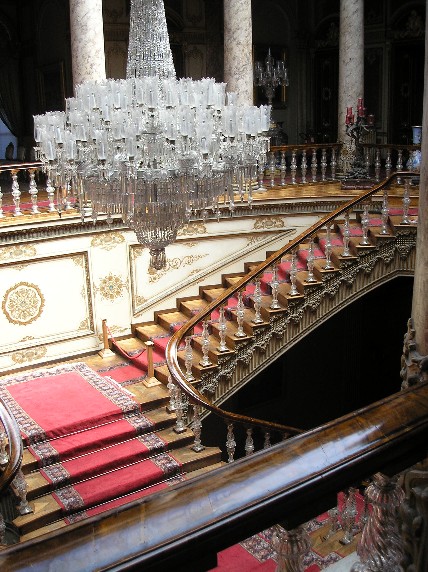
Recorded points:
(23, 303)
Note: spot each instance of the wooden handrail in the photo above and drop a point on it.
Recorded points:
(172, 348)
(15, 447)
(20, 166)
(290, 482)
(303, 146)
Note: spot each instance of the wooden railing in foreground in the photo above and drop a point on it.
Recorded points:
(288, 483)
(14, 447)
(182, 368)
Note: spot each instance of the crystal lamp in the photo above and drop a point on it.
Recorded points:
(156, 149)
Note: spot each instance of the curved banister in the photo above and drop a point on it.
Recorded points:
(172, 348)
(305, 146)
(15, 447)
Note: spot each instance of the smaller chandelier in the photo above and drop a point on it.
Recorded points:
(270, 76)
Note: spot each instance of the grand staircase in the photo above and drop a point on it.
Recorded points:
(262, 311)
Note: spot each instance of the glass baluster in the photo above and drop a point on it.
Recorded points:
(328, 250)
(188, 359)
(4, 457)
(197, 429)
(274, 284)
(33, 191)
(261, 174)
(272, 167)
(333, 521)
(388, 162)
(257, 296)
(16, 193)
(20, 485)
(310, 263)
(180, 426)
(304, 166)
(314, 165)
(406, 202)
(230, 443)
(367, 159)
(293, 275)
(377, 165)
(50, 191)
(205, 361)
(266, 442)
(400, 160)
(323, 164)
(172, 395)
(333, 163)
(385, 212)
(291, 547)
(293, 167)
(249, 443)
(222, 329)
(283, 168)
(349, 514)
(240, 311)
(346, 236)
(365, 219)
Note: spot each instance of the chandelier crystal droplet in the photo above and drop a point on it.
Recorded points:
(153, 148)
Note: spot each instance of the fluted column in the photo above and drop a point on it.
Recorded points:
(351, 59)
(87, 40)
(238, 60)
(420, 288)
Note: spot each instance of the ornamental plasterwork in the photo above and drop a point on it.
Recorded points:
(17, 251)
(174, 264)
(78, 260)
(265, 223)
(111, 287)
(84, 325)
(108, 241)
(23, 303)
(192, 228)
(31, 354)
(113, 330)
(255, 238)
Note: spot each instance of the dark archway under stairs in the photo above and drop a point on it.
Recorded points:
(349, 361)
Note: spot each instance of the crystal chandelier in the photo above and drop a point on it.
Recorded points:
(153, 148)
(271, 75)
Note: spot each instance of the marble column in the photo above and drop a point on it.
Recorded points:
(238, 59)
(420, 288)
(87, 40)
(351, 60)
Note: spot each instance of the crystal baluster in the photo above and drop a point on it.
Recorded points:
(230, 443)
(310, 263)
(406, 202)
(380, 547)
(197, 429)
(367, 159)
(291, 547)
(365, 220)
(1, 204)
(333, 164)
(274, 284)
(266, 442)
(4, 457)
(283, 168)
(377, 165)
(293, 167)
(272, 168)
(399, 166)
(293, 275)
(328, 250)
(205, 361)
(188, 358)
(33, 191)
(2, 531)
(304, 166)
(323, 164)
(172, 394)
(240, 311)
(16, 193)
(388, 162)
(67, 197)
(346, 236)
(261, 174)
(257, 296)
(20, 485)
(50, 191)
(364, 517)
(314, 165)
(334, 524)
(180, 426)
(348, 517)
(222, 329)
(249, 442)
(385, 212)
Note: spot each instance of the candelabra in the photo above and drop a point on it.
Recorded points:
(270, 76)
(153, 148)
(356, 128)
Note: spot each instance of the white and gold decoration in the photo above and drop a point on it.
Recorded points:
(23, 303)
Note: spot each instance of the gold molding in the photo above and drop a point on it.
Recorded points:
(23, 303)
(17, 251)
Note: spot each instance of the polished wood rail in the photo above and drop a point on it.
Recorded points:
(15, 448)
(288, 483)
(194, 395)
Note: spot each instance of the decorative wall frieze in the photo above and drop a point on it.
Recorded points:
(17, 251)
(175, 264)
(108, 241)
(29, 355)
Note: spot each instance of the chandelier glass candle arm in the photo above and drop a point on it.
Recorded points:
(153, 148)
(271, 75)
